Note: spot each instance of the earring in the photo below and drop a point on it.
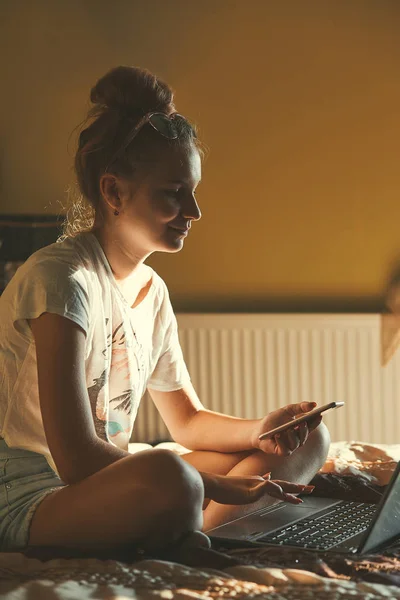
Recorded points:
(116, 212)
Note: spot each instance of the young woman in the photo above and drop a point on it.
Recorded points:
(87, 326)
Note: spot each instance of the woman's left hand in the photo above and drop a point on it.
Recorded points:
(231, 489)
(287, 442)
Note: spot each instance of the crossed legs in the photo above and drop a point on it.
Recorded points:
(154, 497)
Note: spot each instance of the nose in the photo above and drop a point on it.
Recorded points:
(191, 210)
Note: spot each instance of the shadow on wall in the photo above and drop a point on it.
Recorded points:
(282, 304)
(392, 295)
(20, 236)
(391, 320)
(386, 303)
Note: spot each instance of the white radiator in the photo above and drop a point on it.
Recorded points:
(247, 365)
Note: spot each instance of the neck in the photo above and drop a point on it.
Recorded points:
(125, 261)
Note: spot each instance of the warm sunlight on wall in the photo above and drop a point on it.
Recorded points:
(298, 102)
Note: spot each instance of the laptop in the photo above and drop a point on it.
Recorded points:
(320, 524)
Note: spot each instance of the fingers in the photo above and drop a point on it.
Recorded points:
(284, 490)
(250, 489)
(256, 492)
(287, 442)
(275, 490)
(262, 480)
(294, 410)
(291, 439)
(313, 424)
(280, 447)
(303, 432)
(307, 406)
(294, 488)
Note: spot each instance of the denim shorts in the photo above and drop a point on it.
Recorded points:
(25, 479)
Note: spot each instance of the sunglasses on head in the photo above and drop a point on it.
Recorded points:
(161, 122)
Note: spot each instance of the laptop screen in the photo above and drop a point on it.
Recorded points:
(385, 525)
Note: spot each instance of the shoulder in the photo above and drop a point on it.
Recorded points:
(53, 279)
(157, 282)
(160, 287)
(56, 267)
(164, 307)
(163, 304)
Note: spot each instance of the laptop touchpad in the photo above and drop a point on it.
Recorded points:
(271, 518)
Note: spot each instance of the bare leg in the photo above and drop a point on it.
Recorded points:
(300, 467)
(150, 498)
(153, 497)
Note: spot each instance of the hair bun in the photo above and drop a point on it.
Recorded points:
(132, 90)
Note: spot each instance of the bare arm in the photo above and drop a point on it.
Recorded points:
(68, 423)
(190, 424)
(196, 428)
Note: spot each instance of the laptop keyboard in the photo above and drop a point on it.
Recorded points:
(327, 529)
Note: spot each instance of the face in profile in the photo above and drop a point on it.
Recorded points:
(160, 202)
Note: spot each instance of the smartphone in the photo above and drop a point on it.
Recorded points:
(304, 417)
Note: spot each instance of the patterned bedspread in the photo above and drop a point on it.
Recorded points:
(353, 471)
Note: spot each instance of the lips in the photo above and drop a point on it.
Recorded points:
(182, 230)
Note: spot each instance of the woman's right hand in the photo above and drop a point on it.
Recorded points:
(226, 489)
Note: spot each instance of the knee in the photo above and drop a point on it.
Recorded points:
(318, 444)
(179, 483)
(177, 494)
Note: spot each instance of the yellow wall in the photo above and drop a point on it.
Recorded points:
(299, 101)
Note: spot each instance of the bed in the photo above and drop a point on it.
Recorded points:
(353, 470)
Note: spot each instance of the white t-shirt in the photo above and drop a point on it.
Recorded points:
(127, 349)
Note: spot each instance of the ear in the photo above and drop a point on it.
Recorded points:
(109, 190)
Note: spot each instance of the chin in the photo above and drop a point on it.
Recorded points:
(173, 249)
(172, 246)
